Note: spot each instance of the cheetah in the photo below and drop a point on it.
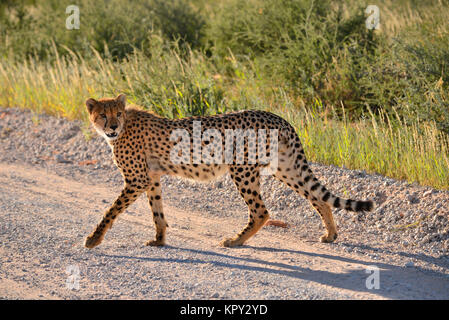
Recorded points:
(143, 146)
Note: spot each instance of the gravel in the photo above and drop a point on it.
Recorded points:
(406, 215)
(410, 222)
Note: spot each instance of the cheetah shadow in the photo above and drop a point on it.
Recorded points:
(395, 282)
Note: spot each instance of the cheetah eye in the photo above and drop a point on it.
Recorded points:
(119, 114)
(103, 116)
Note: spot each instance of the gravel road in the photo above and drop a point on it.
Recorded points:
(55, 185)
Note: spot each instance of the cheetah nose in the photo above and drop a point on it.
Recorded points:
(113, 127)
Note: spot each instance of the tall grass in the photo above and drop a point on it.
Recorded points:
(177, 88)
(373, 101)
(414, 152)
(171, 85)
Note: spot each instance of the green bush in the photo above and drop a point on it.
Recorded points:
(425, 56)
(374, 100)
(172, 86)
(321, 50)
(300, 43)
(112, 27)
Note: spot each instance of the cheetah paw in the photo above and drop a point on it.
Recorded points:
(93, 240)
(155, 243)
(328, 238)
(230, 243)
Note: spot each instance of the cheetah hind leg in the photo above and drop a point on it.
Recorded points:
(294, 181)
(246, 178)
(325, 212)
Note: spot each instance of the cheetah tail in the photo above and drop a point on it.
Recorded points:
(351, 205)
(320, 192)
(316, 189)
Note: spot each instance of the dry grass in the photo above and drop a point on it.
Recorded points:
(176, 86)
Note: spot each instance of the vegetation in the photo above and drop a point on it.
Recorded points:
(375, 100)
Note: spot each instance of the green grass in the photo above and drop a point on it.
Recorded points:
(416, 153)
(371, 101)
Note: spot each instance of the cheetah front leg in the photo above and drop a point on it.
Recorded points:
(155, 200)
(246, 178)
(128, 195)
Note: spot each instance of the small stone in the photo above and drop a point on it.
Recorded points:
(409, 264)
(60, 159)
(219, 185)
(426, 239)
(427, 193)
(380, 197)
(412, 199)
(68, 135)
(215, 295)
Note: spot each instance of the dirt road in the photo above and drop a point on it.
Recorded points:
(44, 219)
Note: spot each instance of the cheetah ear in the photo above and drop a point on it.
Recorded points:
(90, 104)
(121, 98)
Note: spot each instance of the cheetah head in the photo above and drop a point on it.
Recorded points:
(107, 115)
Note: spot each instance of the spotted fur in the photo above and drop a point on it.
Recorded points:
(141, 146)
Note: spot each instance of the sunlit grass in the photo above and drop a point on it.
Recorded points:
(413, 152)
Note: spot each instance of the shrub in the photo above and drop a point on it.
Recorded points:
(111, 27)
(310, 46)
